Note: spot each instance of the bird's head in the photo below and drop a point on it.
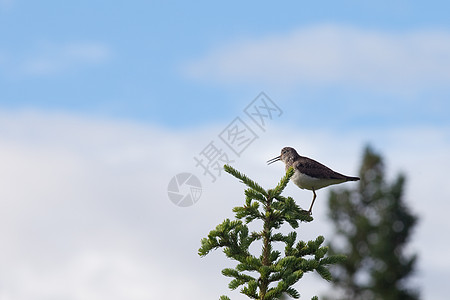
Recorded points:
(288, 154)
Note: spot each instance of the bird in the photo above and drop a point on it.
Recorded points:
(308, 173)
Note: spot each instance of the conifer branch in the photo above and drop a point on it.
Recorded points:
(283, 182)
(250, 183)
(276, 272)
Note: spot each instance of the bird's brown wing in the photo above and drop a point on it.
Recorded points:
(315, 169)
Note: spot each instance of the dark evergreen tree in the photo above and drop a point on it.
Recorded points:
(373, 225)
(276, 273)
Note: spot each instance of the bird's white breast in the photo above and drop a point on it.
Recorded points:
(311, 183)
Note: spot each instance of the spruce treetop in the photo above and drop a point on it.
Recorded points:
(271, 274)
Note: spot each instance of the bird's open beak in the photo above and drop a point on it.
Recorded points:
(274, 160)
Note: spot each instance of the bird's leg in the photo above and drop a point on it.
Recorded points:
(314, 199)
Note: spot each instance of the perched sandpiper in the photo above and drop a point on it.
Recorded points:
(308, 173)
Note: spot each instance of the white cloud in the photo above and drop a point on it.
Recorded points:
(85, 212)
(332, 54)
(52, 59)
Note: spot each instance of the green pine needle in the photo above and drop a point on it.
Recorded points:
(283, 182)
(250, 183)
(276, 272)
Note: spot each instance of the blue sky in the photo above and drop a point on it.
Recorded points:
(126, 60)
(95, 96)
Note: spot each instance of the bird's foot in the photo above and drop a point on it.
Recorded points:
(306, 212)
